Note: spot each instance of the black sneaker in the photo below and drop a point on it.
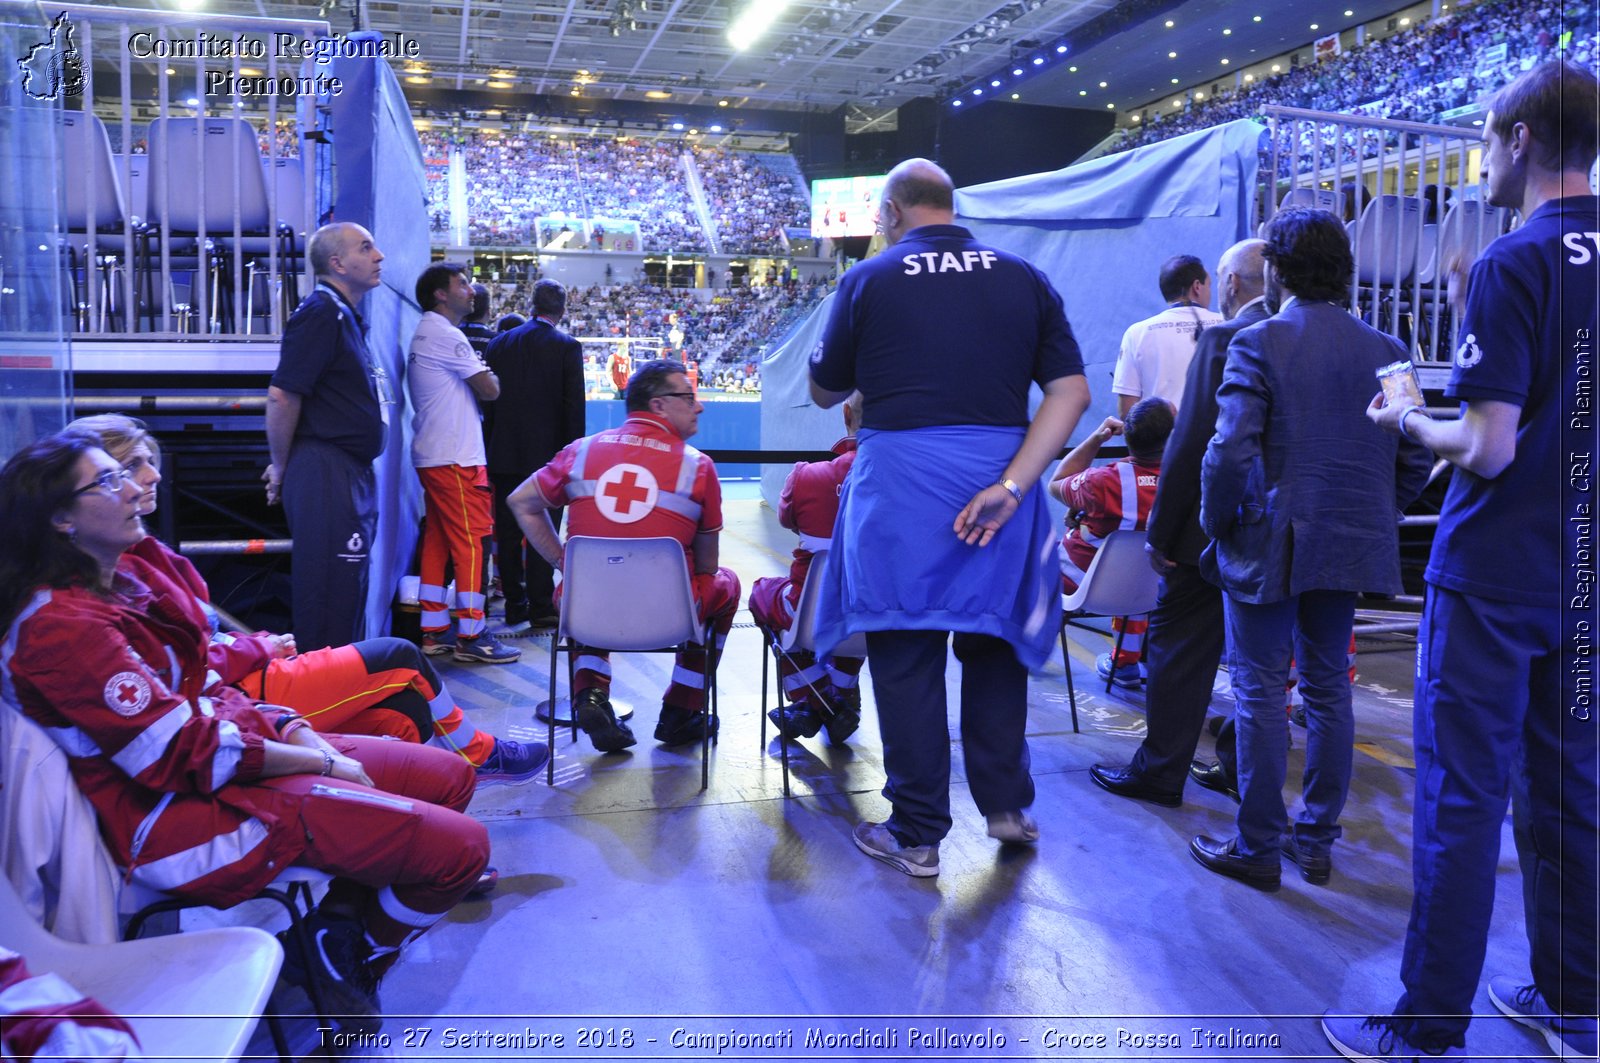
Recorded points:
(678, 725)
(846, 715)
(338, 962)
(594, 714)
(796, 721)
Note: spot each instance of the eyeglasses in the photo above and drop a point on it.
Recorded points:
(691, 396)
(110, 482)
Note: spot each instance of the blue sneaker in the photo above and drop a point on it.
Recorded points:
(484, 650)
(512, 762)
(1569, 1036)
(1126, 676)
(1375, 1040)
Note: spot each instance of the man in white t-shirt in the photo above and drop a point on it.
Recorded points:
(1156, 352)
(446, 378)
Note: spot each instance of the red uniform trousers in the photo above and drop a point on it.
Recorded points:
(717, 595)
(402, 852)
(374, 687)
(458, 504)
(772, 602)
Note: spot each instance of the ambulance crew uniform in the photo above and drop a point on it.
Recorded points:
(910, 330)
(381, 687)
(329, 490)
(447, 450)
(1156, 352)
(808, 505)
(1101, 500)
(170, 758)
(1496, 714)
(641, 480)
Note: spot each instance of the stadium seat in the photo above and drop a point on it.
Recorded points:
(1120, 582)
(601, 580)
(800, 637)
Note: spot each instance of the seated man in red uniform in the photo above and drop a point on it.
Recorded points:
(1112, 498)
(808, 505)
(640, 481)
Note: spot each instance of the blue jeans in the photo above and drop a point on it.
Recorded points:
(1494, 722)
(1315, 628)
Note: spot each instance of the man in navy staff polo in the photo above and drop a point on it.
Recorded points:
(1500, 710)
(327, 409)
(941, 528)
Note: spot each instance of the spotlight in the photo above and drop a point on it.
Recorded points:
(1038, 61)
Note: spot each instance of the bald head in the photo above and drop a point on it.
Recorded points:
(1241, 275)
(917, 192)
(344, 254)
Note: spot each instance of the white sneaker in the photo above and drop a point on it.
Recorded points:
(918, 861)
(1015, 827)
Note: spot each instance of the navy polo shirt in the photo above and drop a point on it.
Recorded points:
(1528, 338)
(942, 330)
(324, 359)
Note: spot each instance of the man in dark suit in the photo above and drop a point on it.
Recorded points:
(540, 410)
(1301, 495)
(1184, 642)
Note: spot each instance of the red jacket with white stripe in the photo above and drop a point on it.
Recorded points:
(809, 505)
(637, 481)
(1100, 501)
(165, 752)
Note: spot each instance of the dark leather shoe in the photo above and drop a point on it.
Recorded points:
(677, 726)
(594, 714)
(846, 715)
(1223, 858)
(796, 721)
(1316, 868)
(1125, 782)
(1213, 777)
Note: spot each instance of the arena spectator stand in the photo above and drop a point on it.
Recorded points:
(1417, 74)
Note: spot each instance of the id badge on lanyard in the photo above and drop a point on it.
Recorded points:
(384, 386)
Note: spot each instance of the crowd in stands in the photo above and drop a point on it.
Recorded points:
(513, 179)
(751, 200)
(725, 335)
(517, 178)
(1415, 75)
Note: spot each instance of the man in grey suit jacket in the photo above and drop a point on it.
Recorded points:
(1184, 642)
(1300, 494)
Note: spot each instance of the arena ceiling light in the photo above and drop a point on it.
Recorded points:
(748, 26)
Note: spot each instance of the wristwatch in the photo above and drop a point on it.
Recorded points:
(1011, 485)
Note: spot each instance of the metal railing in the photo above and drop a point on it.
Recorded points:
(1409, 194)
(133, 266)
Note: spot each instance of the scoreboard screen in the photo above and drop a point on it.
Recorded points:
(845, 206)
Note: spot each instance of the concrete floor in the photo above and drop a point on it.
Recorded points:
(633, 907)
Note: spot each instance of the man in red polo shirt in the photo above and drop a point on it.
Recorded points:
(640, 481)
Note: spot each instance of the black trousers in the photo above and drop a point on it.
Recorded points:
(1181, 651)
(908, 684)
(526, 579)
(331, 501)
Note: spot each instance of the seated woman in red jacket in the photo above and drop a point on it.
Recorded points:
(378, 687)
(201, 791)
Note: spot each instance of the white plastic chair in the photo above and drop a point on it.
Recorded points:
(187, 996)
(205, 179)
(1388, 240)
(801, 637)
(1120, 582)
(604, 582)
